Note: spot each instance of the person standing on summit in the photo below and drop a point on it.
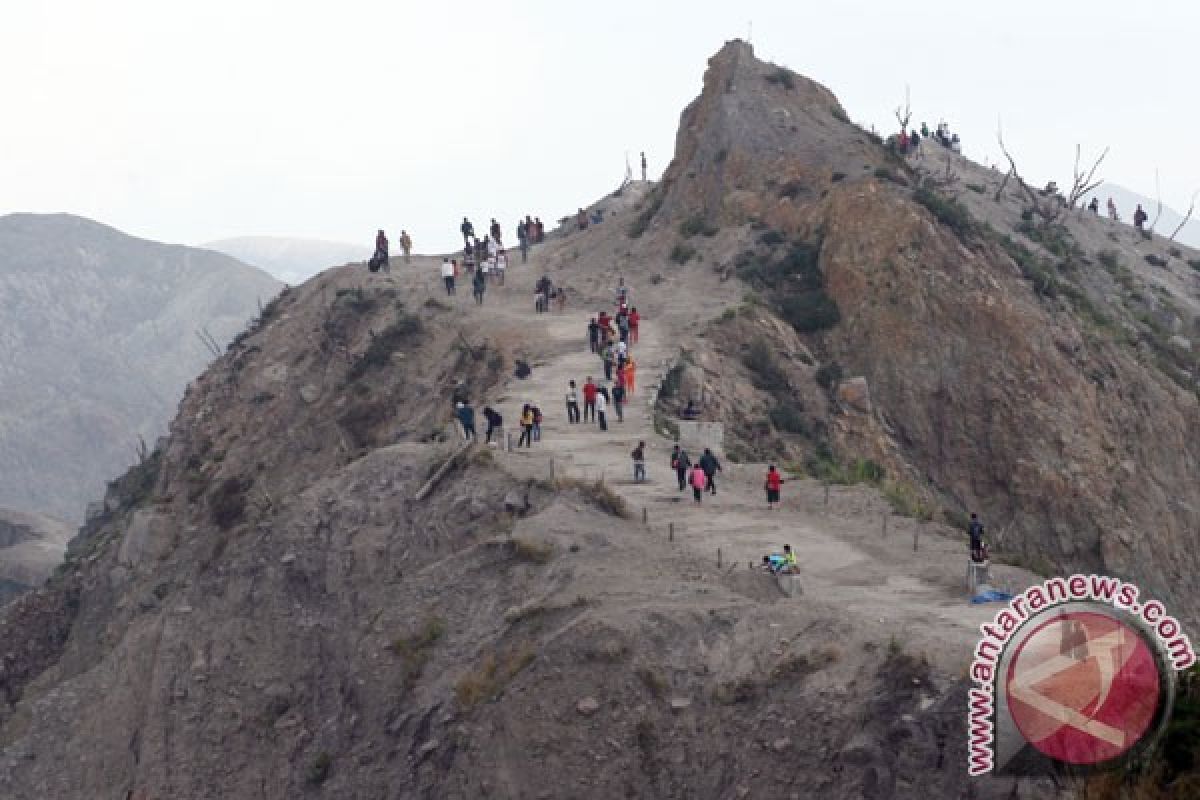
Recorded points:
(406, 246)
(468, 231)
(380, 259)
(495, 231)
(643, 166)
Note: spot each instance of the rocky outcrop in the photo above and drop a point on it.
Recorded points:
(31, 546)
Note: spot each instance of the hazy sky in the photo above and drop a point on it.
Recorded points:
(187, 122)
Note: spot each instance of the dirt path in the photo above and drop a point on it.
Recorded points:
(846, 564)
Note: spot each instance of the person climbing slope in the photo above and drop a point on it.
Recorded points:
(479, 286)
(618, 401)
(634, 320)
(572, 403)
(466, 418)
(448, 269)
(602, 410)
(630, 373)
(772, 484)
(468, 231)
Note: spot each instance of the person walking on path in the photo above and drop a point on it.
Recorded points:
(711, 466)
(495, 422)
(589, 400)
(639, 463)
(1139, 218)
(466, 418)
(772, 484)
(540, 227)
(601, 411)
(468, 231)
(643, 166)
(975, 531)
(526, 427)
(479, 286)
(618, 399)
(634, 319)
(630, 373)
(593, 335)
(698, 481)
(406, 246)
(680, 463)
(537, 423)
(1112, 210)
(572, 403)
(501, 266)
(448, 275)
(379, 260)
(609, 357)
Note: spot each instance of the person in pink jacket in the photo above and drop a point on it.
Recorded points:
(698, 480)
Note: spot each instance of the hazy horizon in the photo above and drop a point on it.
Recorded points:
(230, 120)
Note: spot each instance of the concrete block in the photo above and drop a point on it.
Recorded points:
(790, 585)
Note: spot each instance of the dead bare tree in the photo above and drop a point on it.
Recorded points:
(210, 343)
(1186, 217)
(1047, 206)
(1082, 184)
(904, 116)
(1158, 199)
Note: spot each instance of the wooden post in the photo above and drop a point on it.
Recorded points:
(508, 436)
(552, 470)
(718, 558)
(645, 516)
(916, 533)
(670, 531)
(827, 494)
(885, 520)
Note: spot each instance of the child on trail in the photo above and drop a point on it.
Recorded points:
(773, 482)
(479, 286)
(634, 319)
(601, 411)
(494, 421)
(680, 463)
(698, 480)
(572, 403)
(526, 426)
(589, 400)
(789, 559)
(448, 275)
(639, 463)
(710, 466)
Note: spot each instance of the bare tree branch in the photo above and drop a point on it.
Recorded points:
(906, 115)
(1082, 184)
(1048, 211)
(1186, 217)
(1158, 197)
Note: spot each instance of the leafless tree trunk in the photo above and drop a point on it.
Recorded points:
(904, 116)
(1048, 210)
(209, 342)
(1186, 217)
(1158, 199)
(1082, 184)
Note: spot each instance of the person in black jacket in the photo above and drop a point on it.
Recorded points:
(494, 421)
(711, 466)
(468, 231)
(680, 463)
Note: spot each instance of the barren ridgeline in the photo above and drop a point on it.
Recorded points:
(297, 594)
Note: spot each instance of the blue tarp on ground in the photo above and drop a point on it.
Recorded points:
(986, 594)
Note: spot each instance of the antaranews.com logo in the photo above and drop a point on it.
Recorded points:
(1074, 671)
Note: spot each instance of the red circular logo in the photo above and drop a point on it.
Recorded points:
(1083, 688)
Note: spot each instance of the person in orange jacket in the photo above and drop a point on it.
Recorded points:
(630, 372)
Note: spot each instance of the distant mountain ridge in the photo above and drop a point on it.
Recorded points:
(97, 343)
(292, 260)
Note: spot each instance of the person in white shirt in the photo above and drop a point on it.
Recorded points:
(448, 275)
(601, 411)
(501, 265)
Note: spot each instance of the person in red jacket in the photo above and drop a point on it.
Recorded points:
(773, 482)
(634, 319)
(589, 399)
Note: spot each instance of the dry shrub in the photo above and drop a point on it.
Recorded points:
(488, 679)
(413, 650)
(532, 552)
(653, 681)
(362, 419)
(599, 494)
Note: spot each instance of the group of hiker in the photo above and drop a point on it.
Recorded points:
(380, 259)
